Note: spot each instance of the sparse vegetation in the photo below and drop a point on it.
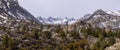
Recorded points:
(29, 35)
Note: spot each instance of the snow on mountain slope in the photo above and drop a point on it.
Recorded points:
(85, 17)
(104, 19)
(51, 20)
(13, 9)
(3, 17)
(117, 13)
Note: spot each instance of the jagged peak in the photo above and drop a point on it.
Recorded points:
(99, 12)
(56, 20)
(50, 17)
(95, 14)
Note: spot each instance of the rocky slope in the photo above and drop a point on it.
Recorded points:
(12, 9)
(116, 46)
(103, 19)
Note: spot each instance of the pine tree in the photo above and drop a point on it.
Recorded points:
(35, 33)
(8, 43)
(5, 41)
(47, 34)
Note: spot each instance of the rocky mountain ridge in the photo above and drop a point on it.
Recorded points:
(11, 8)
(19, 30)
(103, 19)
(58, 20)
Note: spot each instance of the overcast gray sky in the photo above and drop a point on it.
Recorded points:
(68, 8)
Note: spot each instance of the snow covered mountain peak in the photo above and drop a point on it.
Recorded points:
(103, 19)
(58, 20)
(99, 12)
(95, 14)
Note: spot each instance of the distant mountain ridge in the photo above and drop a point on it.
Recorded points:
(11, 10)
(58, 20)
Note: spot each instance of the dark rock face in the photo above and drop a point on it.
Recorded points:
(99, 12)
(9, 4)
(13, 8)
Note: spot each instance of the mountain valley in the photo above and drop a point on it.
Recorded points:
(20, 30)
